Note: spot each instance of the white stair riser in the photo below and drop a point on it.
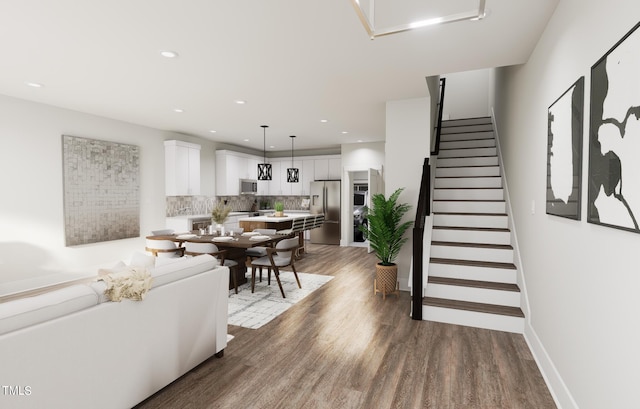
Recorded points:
(471, 161)
(471, 294)
(466, 128)
(495, 275)
(470, 143)
(462, 220)
(473, 319)
(468, 171)
(472, 253)
(466, 121)
(468, 194)
(490, 181)
(469, 207)
(465, 136)
(471, 236)
(466, 153)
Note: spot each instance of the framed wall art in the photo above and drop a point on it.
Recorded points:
(564, 152)
(614, 136)
(101, 190)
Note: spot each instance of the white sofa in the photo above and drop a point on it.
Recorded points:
(72, 348)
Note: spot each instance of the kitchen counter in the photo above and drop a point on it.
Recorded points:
(270, 222)
(203, 216)
(184, 222)
(267, 219)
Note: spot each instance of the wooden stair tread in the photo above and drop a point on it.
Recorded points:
(471, 214)
(469, 157)
(488, 285)
(465, 188)
(477, 245)
(467, 177)
(469, 200)
(468, 147)
(467, 166)
(490, 229)
(472, 263)
(473, 306)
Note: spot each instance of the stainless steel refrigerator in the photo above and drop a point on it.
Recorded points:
(325, 199)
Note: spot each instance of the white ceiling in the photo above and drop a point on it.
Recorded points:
(294, 62)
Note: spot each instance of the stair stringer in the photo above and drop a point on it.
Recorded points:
(524, 299)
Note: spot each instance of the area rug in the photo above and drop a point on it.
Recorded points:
(253, 310)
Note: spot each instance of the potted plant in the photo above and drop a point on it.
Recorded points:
(219, 215)
(279, 208)
(385, 232)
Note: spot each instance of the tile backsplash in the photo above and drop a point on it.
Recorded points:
(178, 205)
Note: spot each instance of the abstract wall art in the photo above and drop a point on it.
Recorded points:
(614, 136)
(564, 152)
(101, 190)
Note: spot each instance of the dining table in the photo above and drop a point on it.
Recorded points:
(235, 245)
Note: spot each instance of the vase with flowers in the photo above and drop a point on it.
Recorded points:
(219, 215)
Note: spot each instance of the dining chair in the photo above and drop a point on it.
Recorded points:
(259, 251)
(282, 255)
(164, 248)
(195, 249)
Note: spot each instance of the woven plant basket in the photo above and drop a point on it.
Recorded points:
(386, 281)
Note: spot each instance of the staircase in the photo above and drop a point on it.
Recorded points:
(472, 278)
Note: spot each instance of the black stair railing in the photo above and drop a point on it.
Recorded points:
(423, 210)
(438, 126)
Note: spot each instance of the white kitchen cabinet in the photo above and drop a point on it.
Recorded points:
(307, 176)
(230, 168)
(335, 168)
(327, 168)
(275, 185)
(182, 168)
(287, 188)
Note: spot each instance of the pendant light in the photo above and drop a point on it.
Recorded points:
(264, 169)
(292, 173)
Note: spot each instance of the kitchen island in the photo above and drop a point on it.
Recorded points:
(270, 222)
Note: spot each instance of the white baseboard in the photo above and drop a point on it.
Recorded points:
(558, 389)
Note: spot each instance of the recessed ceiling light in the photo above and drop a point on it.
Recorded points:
(246, 140)
(344, 132)
(33, 84)
(178, 110)
(359, 140)
(168, 54)
(324, 120)
(213, 131)
(271, 146)
(240, 102)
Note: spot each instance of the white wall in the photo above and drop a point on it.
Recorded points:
(31, 210)
(466, 95)
(407, 145)
(582, 280)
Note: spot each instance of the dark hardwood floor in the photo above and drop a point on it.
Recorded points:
(343, 347)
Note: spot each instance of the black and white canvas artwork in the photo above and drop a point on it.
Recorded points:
(564, 152)
(614, 136)
(101, 190)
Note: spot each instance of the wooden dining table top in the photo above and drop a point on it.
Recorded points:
(237, 241)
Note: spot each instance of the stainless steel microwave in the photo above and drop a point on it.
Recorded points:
(248, 187)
